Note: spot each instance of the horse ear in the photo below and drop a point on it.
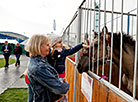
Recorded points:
(107, 35)
(86, 38)
(105, 29)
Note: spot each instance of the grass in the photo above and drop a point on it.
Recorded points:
(2, 62)
(22, 76)
(14, 95)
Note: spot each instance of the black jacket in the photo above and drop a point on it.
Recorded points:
(18, 50)
(6, 52)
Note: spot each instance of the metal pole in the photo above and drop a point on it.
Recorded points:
(136, 53)
(132, 27)
(120, 71)
(90, 28)
(90, 34)
(104, 36)
(68, 34)
(112, 23)
(98, 39)
(117, 23)
(76, 56)
(85, 22)
(93, 39)
(109, 11)
(128, 22)
(87, 17)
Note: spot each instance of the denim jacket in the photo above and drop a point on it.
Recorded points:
(44, 80)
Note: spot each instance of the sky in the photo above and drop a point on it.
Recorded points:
(29, 17)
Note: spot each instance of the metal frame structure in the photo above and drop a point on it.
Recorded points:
(81, 24)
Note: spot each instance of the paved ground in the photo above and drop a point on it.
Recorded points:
(10, 78)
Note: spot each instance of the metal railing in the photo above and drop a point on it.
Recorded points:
(83, 22)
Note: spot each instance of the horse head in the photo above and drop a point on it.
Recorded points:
(128, 53)
(96, 54)
(83, 64)
(99, 45)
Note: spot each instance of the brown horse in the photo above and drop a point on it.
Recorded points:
(128, 56)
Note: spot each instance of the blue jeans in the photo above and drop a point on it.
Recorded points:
(6, 56)
(30, 93)
(18, 59)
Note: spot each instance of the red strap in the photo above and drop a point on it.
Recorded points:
(62, 75)
(26, 77)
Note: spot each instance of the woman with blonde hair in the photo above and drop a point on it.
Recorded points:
(43, 77)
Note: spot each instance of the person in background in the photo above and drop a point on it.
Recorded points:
(6, 48)
(43, 77)
(59, 54)
(17, 52)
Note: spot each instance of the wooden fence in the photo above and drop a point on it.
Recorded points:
(101, 93)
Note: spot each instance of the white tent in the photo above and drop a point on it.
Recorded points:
(24, 42)
(11, 41)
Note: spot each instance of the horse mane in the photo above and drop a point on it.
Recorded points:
(127, 39)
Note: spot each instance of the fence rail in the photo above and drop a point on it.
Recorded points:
(91, 18)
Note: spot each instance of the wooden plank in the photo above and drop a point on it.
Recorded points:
(101, 93)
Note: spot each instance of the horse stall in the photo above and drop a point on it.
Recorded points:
(107, 71)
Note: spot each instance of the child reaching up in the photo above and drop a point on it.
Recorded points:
(59, 54)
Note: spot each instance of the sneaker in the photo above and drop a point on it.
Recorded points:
(6, 68)
(15, 65)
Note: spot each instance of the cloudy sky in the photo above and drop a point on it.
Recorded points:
(36, 16)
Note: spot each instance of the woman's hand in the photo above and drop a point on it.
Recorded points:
(64, 80)
(30, 55)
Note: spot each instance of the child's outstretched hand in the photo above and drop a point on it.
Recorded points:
(85, 46)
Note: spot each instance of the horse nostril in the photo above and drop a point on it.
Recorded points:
(79, 68)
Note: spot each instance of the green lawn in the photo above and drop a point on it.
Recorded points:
(2, 62)
(22, 76)
(14, 95)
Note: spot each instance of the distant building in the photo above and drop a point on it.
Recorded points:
(54, 25)
(13, 39)
(11, 35)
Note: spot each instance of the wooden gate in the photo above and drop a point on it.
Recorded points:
(101, 93)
